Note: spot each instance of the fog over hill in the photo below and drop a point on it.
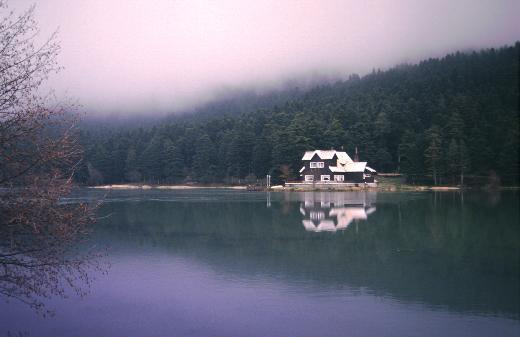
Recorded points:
(138, 57)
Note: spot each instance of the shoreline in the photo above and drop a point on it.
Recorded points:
(281, 188)
(162, 187)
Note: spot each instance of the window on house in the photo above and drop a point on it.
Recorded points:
(309, 177)
(325, 177)
(339, 177)
(317, 164)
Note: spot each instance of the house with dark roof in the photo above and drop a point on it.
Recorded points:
(331, 166)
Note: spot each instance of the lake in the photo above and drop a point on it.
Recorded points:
(214, 262)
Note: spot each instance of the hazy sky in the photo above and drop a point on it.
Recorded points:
(161, 55)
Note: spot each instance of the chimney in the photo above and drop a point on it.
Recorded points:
(356, 156)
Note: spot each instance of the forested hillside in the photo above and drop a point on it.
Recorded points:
(434, 121)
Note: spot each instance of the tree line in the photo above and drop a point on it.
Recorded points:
(450, 120)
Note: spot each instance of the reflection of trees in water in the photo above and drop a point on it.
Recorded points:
(424, 247)
(39, 245)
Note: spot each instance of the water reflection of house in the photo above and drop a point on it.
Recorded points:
(333, 211)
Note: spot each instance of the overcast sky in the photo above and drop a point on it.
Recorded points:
(162, 55)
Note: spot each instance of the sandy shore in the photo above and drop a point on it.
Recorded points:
(162, 187)
(444, 188)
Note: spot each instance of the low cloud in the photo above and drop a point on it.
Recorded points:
(134, 56)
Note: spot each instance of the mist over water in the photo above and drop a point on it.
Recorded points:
(130, 56)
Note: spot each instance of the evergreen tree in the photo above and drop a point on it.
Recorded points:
(410, 152)
(261, 157)
(174, 163)
(433, 151)
(131, 172)
(203, 167)
(383, 160)
(152, 159)
(453, 156)
(464, 161)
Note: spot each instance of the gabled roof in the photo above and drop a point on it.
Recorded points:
(322, 154)
(356, 166)
(370, 169)
(350, 167)
(343, 157)
(328, 154)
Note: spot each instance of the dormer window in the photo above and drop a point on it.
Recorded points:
(317, 164)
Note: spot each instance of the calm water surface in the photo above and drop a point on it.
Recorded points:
(234, 263)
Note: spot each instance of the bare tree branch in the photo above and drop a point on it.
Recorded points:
(39, 153)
